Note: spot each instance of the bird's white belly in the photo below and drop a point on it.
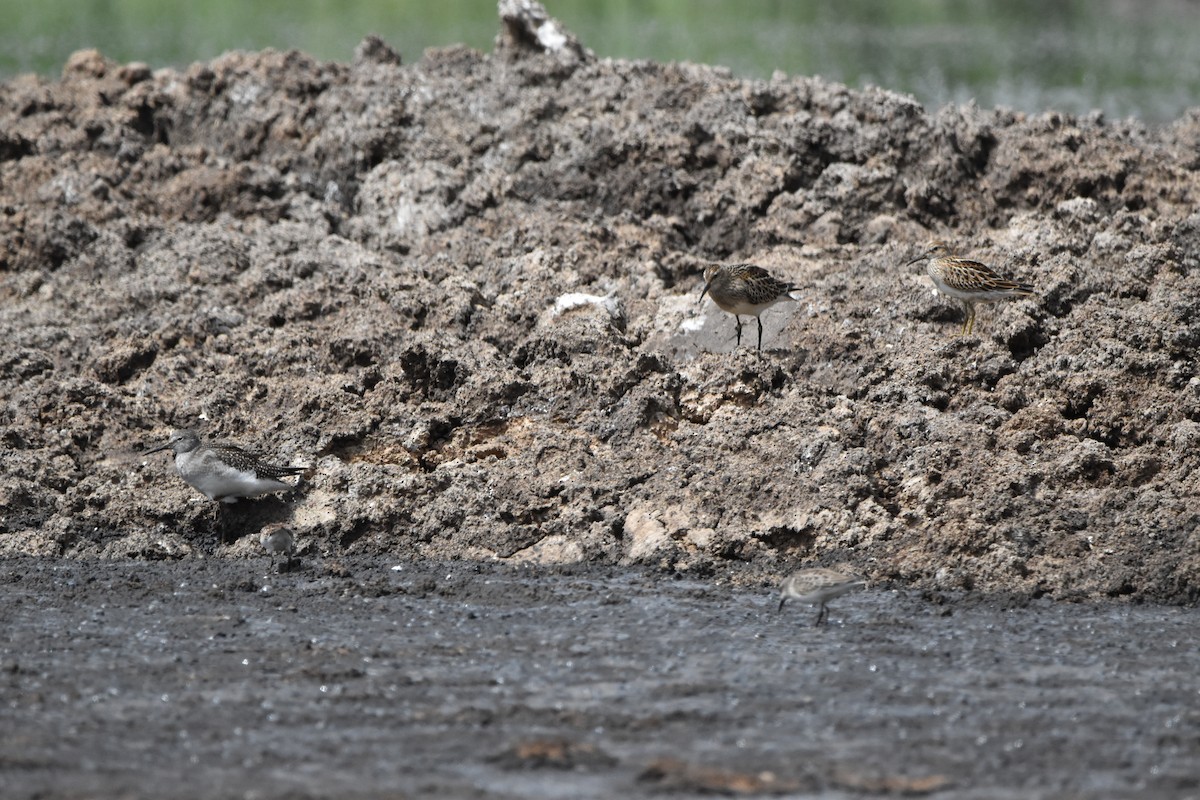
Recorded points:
(742, 307)
(217, 480)
(968, 295)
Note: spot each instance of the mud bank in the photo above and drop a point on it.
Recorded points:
(349, 678)
(463, 289)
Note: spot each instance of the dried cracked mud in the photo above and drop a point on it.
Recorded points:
(464, 292)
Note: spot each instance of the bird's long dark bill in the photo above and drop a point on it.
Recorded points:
(706, 288)
(915, 260)
(156, 449)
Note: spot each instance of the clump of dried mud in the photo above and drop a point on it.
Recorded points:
(368, 268)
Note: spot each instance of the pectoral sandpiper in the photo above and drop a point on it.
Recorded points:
(968, 281)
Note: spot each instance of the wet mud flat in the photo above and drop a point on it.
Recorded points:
(365, 677)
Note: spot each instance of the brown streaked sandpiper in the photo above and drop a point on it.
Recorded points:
(224, 472)
(744, 289)
(278, 540)
(968, 281)
(817, 586)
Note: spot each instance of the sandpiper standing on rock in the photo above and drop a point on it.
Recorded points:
(744, 289)
(278, 540)
(968, 281)
(224, 472)
(818, 586)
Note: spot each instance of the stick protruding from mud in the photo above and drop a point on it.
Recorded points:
(528, 27)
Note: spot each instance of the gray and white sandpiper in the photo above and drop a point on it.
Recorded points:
(817, 586)
(278, 540)
(224, 472)
(969, 282)
(745, 289)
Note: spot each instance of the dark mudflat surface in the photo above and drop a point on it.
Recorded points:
(367, 678)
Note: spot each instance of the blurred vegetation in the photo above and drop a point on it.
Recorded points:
(1121, 56)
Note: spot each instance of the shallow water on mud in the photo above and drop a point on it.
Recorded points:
(465, 680)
